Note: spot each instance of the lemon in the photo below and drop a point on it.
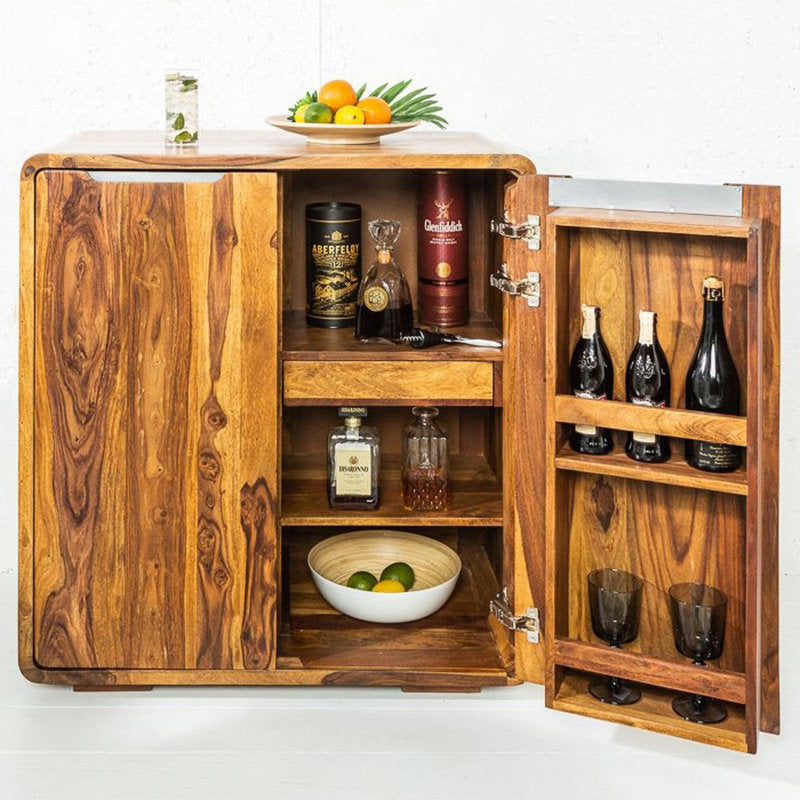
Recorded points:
(349, 115)
(300, 113)
(400, 572)
(362, 580)
(388, 586)
(317, 112)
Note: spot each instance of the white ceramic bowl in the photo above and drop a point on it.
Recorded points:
(329, 133)
(436, 568)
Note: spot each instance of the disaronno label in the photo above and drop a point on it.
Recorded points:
(353, 470)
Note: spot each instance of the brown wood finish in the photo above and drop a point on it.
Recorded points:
(524, 434)
(653, 712)
(675, 472)
(666, 421)
(764, 203)
(670, 674)
(121, 340)
(709, 526)
(387, 382)
(476, 496)
(268, 150)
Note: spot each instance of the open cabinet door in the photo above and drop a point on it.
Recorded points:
(668, 523)
(523, 256)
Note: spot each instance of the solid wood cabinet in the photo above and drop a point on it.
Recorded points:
(173, 408)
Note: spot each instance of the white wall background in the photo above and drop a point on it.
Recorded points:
(672, 91)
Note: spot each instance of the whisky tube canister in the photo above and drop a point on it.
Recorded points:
(443, 277)
(333, 263)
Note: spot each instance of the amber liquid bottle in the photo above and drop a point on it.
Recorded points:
(712, 383)
(591, 376)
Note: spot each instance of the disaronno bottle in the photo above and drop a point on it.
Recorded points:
(353, 462)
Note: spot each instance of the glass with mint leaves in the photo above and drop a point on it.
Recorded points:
(181, 97)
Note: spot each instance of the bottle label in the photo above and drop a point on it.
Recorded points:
(586, 430)
(589, 321)
(644, 438)
(333, 256)
(376, 298)
(716, 456)
(352, 470)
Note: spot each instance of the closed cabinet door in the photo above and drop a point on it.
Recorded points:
(155, 430)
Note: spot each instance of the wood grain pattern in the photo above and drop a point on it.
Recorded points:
(130, 439)
(670, 674)
(524, 431)
(675, 472)
(764, 202)
(267, 150)
(302, 342)
(653, 712)
(387, 382)
(655, 222)
(676, 422)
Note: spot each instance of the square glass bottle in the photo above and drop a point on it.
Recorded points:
(353, 462)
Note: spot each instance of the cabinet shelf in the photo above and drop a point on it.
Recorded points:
(302, 342)
(475, 500)
(666, 673)
(675, 472)
(457, 639)
(653, 712)
(678, 422)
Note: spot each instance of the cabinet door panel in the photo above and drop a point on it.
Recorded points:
(140, 541)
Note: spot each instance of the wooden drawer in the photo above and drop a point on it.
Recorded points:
(388, 383)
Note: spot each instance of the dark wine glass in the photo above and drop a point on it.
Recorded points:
(615, 601)
(698, 625)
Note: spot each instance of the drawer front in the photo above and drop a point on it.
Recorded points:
(397, 383)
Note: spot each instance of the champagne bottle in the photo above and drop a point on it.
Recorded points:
(591, 376)
(647, 383)
(712, 383)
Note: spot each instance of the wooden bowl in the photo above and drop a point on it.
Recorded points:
(436, 568)
(329, 133)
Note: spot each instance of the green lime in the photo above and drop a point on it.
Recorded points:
(362, 580)
(317, 112)
(399, 571)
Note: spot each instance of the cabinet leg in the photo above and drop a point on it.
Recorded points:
(100, 688)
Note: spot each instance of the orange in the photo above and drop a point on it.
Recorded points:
(337, 94)
(376, 111)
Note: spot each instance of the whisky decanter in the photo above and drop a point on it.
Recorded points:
(424, 471)
(353, 462)
(384, 300)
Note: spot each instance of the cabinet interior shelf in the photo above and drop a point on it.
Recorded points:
(675, 472)
(666, 673)
(475, 498)
(302, 342)
(678, 422)
(653, 712)
(456, 639)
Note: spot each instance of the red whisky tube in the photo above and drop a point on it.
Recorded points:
(443, 289)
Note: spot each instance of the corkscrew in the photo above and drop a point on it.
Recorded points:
(420, 338)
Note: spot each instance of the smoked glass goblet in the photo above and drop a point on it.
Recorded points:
(615, 601)
(698, 625)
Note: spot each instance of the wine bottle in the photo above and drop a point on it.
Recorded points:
(591, 376)
(647, 383)
(712, 383)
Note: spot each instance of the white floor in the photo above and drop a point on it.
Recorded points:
(352, 743)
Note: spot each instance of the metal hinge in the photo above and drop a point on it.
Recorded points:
(529, 288)
(527, 622)
(530, 230)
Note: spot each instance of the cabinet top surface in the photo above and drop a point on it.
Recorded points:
(276, 150)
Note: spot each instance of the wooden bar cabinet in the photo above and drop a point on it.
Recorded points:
(173, 409)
